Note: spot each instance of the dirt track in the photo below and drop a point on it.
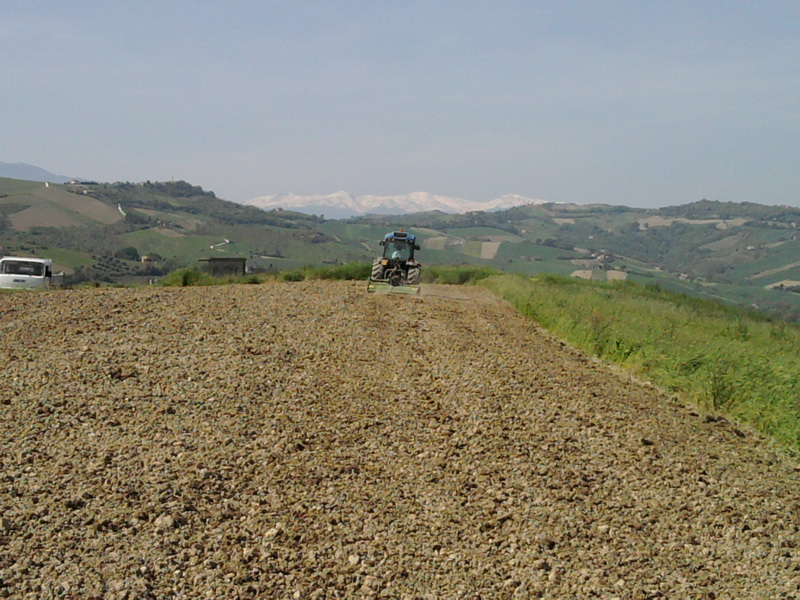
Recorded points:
(309, 441)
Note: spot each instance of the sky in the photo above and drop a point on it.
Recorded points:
(639, 103)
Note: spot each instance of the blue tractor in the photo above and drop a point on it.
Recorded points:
(396, 270)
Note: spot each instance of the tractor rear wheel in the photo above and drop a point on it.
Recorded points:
(377, 269)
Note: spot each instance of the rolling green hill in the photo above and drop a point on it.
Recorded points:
(746, 253)
(82, 226)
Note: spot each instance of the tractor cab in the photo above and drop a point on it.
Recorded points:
(399, 245)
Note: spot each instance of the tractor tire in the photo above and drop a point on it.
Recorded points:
(377, 269)
(413, 276)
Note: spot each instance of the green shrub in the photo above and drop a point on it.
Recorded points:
(347, 272)
(187, 277)
(456, 275)
(295, 275)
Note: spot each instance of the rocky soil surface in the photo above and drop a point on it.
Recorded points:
(306, 440)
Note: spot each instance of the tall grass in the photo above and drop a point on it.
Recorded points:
(348, 272)
(456, 275)
(727, 360)
(430, 274)
(193, 276)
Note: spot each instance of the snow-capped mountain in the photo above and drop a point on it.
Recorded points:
(342, 204)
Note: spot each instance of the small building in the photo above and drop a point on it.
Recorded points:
(221, 266)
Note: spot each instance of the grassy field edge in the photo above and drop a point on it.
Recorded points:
(726, 360)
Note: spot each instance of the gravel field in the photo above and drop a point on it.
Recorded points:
(306, 440)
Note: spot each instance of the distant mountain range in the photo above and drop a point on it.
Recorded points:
(30, 173)
(344, 205)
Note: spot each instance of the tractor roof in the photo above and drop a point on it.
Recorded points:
(400, 235)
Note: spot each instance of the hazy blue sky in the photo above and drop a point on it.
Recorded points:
(644, 103)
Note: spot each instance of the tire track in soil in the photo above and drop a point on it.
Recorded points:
(307, 440)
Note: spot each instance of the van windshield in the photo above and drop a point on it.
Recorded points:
(22, 267)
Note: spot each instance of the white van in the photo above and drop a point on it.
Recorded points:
(30, 273)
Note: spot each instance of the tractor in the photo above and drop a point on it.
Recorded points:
(396, 270)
